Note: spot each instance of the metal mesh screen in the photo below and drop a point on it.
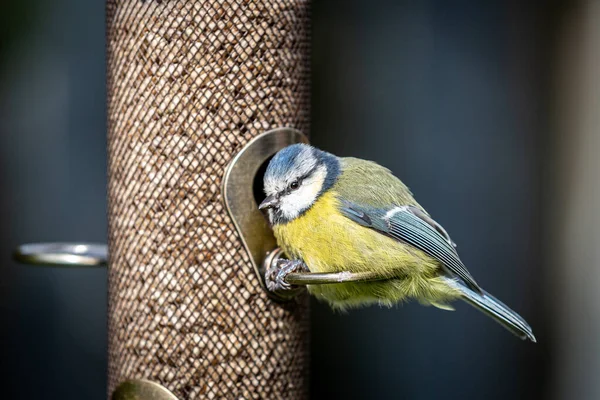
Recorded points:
(189, 83)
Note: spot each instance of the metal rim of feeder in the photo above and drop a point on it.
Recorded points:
(238, 195)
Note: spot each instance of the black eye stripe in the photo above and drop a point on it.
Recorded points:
(301, 178)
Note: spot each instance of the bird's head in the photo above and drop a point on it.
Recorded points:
(295, 178)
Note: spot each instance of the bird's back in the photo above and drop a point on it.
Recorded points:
(366, 182)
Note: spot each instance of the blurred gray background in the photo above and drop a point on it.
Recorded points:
(487, 110)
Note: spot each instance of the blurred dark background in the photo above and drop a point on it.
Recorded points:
(487, 110)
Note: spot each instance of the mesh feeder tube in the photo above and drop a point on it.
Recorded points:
(189, 84)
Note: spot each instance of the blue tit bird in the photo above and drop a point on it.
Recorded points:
(339, 214)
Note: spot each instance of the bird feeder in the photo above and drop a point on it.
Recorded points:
(190, 83)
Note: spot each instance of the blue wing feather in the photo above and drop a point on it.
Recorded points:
(410, 225)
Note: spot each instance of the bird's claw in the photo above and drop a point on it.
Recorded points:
(276, 274)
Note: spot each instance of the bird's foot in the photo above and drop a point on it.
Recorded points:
(275, 276)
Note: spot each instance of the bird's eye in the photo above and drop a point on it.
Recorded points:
(294, 185)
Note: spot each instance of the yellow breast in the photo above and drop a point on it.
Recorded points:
(328, 241)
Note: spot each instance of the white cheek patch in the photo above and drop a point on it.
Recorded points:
(294, 203)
